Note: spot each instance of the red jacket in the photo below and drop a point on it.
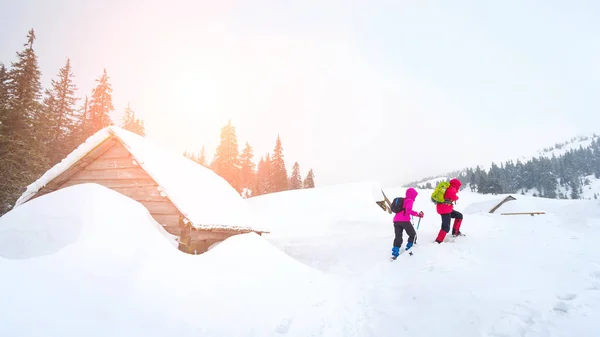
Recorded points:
(451, 196)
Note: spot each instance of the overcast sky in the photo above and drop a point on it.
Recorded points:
(358, 90)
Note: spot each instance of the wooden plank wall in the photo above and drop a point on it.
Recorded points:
(198, 241)
(117, 170)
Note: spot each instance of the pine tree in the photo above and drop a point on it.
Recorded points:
(258, 188)
(84, 123)
(131, 123)
(198, 158)
(263, 177)
(101, 105)
(3, 92)
(575, 186)
(24, 88)
(59, 112)
(202, 158)
(44, 122)
(309, 181)
(296, 178)
(22, 156)
(247, 174)
(279, 177)
(5, 195)
(226, 162)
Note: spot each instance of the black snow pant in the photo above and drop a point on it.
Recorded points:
(399, 227)
(447, 218)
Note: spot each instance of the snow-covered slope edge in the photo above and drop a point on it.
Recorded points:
(86, 260)
(511, 275)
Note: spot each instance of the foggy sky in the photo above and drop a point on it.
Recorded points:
(365, 90)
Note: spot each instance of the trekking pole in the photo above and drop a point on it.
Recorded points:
(418, 223)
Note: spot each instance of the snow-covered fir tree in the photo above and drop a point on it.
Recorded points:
(279, 177)
(101, 105)
(263, 176)
(295, 177)
(247, 170)
(131, 123)
(60, 114)
(22, 154)
(309, 181)
(226, 162)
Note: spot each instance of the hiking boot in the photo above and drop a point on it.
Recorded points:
(457, 233)
(395, 252)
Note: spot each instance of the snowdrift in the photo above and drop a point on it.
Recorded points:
(319, 211)
(86, 260)
(90, 215)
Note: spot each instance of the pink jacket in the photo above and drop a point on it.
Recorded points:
(409, 200)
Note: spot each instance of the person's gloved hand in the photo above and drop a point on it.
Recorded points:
(421, 214)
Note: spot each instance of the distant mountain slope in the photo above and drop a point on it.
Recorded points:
(566, 170)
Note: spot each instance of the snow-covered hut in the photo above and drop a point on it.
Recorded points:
(187, 199)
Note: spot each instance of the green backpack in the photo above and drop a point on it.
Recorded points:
(438, 194)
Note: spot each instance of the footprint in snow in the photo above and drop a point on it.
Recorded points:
(517, 321)
(284, 325)
(567, 297)
(562, 307)
(594, 286)
(595, 280)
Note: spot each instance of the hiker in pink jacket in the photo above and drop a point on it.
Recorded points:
(402, 221)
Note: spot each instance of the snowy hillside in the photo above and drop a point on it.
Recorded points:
(566, 170)
(87, 261)
(71, 268)
(313, 211)
(563, 147)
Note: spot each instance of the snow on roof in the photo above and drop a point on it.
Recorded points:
(205, 199)
(64, 165)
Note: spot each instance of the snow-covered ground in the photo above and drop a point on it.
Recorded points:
(87, 261)
(100, 266)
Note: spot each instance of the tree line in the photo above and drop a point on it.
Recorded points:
(248, 178)
(559, 177)
(40, 126)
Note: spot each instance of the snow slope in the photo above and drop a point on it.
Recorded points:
(87, 261)
(324, 271)
(510, 276)
(590, 190)
(317, 211)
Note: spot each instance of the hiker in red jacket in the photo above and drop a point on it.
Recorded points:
(446, 210)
